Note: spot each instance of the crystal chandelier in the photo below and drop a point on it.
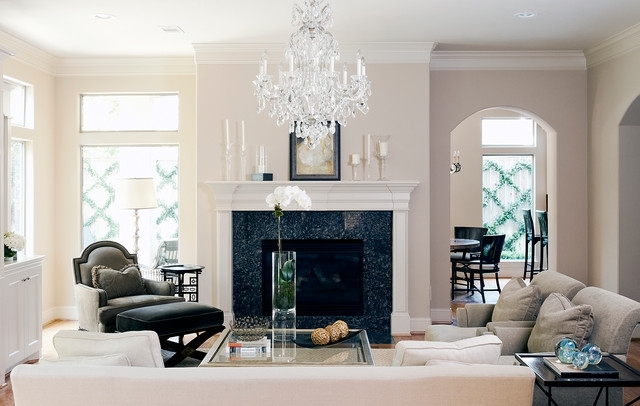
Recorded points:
(311, 95)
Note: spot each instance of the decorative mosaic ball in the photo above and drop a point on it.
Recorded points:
(320, 336)
(343, 327)
(334, 333)
(565, 349)
(580, 360)
(593, 352)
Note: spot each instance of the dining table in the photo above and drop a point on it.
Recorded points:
(462, 244)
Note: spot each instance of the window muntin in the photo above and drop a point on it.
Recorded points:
(511, 131)
(129, 112)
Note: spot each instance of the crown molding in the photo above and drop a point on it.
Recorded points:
(125, 66)
(508, 60)
(618, 45)
(27, 53)
(385, 52)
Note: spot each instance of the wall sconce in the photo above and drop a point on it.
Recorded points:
(456, 166)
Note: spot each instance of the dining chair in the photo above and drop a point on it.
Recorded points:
(470, 233)
(544, 237)
(488, 262)
(531, 239)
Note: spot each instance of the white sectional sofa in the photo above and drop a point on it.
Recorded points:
(438, 385)
(126, 369)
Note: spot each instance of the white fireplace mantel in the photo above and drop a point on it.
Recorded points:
(392, 196)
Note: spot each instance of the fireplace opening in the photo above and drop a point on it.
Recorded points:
(329, 276)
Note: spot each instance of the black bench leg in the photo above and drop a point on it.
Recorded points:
(189, 349)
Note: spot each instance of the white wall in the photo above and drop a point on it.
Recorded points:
(614, 84)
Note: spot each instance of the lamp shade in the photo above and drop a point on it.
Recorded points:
(136, 193)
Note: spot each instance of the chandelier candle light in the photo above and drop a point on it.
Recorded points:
(283, 286)
(310, 92)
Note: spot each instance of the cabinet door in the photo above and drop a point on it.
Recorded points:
(23, 315)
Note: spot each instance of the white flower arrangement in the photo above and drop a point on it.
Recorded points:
(281, 197)
(13, 241)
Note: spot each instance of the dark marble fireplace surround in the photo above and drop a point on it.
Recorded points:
(373, 227)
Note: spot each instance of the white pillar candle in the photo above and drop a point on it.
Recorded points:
(226, 132)
(367, 145)
(383, 148)
(355, 159)
(242, 134)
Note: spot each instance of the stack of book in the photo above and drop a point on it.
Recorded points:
(249, 350)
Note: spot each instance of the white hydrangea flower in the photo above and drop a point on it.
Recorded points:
(14, 241)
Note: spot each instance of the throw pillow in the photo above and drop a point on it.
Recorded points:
(517, 302)
(125, 282)
(558, 318)
(484, 349)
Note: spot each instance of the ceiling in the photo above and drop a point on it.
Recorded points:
(67, 28)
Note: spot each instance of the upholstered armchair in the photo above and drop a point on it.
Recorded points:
(108, 282)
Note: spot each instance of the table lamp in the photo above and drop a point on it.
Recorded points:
(135, 194)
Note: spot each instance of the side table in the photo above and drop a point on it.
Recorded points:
(546, 379)
(176, 273)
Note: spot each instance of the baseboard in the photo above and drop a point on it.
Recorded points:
(59, 313)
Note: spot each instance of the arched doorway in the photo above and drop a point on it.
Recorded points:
(466, 186)
(629, 190)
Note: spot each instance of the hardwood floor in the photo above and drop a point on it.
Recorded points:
(633, 356)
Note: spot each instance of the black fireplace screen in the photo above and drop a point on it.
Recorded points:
(329, 276)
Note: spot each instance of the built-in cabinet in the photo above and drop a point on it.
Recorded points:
(22, 306)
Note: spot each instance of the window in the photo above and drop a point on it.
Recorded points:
(508, 132)
(129, 112)
(17, 187)
(102, 166)
(508, 179)
(20, 102)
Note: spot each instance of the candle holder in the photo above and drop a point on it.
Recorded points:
(243, 163)
(228, 156)
(355, 161)
(382, 153)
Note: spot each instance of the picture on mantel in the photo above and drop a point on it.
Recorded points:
(319, 163)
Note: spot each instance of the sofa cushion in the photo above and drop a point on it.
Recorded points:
(517, 302)
(125, 282)
(97, 360)
(484, 349)
(558, 318)
(142, 348)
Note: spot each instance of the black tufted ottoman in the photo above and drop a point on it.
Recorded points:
(175, 320)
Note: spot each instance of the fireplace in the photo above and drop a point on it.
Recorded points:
(388, 274)
(329, 276)
(367, 232)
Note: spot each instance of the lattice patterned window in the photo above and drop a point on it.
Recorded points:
(101, 167)
(507, 179)
(507, 188)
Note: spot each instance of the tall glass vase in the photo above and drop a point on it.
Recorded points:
(283, 290)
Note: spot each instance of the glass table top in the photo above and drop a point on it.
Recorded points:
(229, 351)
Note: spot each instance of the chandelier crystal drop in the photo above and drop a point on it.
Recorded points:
(311, 94)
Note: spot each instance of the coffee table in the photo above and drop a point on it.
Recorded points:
(229, 351)
(546, 379)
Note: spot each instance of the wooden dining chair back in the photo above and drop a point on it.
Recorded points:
(488, 262)
(531, 239)
(544, 238)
